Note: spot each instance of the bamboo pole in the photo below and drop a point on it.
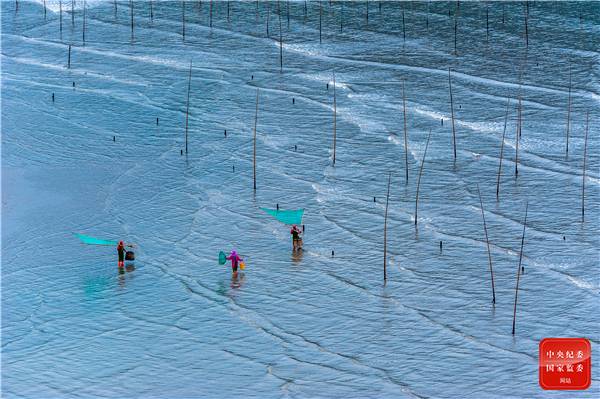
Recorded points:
(268, 16)
(334, 119)
(287, 10)
(183, 20)
(568, 111)
(405, 132)
(187, 108)
(526, 24)
(60, 17)
(587, 125)
(341, 16)
(228, 12)
(115, 4)
(210, 13)
(131, 12)
(254, 151)
(320, 21)
(387, 200)
(280, 41)
(151, 11)
(419, 178)
(519, 271)
(44, 10)
(487, 22)
(69, 59)
(517, 138)
(367, 13)
(84, 22)
(72, 13)
(455, 29)
(452, 112)
(403, 29)
(487, 241)
(502, 149)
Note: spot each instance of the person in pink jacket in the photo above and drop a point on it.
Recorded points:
(235, 260)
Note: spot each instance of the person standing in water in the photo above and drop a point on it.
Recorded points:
(121, 251)
(296, 240)
(235, 261)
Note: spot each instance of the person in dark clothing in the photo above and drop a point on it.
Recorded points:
(296, 239)
(121, 251)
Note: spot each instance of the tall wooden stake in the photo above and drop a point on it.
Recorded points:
(403, 29)
(69, 60)
(44, 9)
(452, 112)
(526, 20)
(131, 12)
(518, 133)
(502, 150)
(334, 119)
(60, 17)
(84, 23)
(487, 241)
(320, 18)
(115, 4)
(151, 11)
(387, 200)
(254, 152)
(280, 43)
(341, 16)
(210, 13)
(72, 13)
(405, 132)
(587, 125)
(519, 271)
(183, 20)
(419, 178)
(569, 111)
(187, 108)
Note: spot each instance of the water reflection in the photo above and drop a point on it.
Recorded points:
(297, 256)
(129, 267)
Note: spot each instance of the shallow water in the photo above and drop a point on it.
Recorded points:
(308, 325)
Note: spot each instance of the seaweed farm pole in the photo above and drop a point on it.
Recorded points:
(280, 42)
(502, 150)
(452, 112)
(287, 10)
(487, 22)
(210, 13)
(519, 271)
(403, 29)
(84, 24)
(187, 108)
(268, 16)
(387, 200)
(587, 125)
(405, 132)
(518, 133)
(115, 3)
(151, 11)
(254, 145)
(455, 29)
(526, 29)
(69, 59)
(419, 178)
(44, 9)
(183, 20)
(60, 17)
(72, 12)
(131, 12)
(228, 12)
(487, 241)
(320, 18)
(341, 16)
(334, 118)
(367, 12)
(569, 111)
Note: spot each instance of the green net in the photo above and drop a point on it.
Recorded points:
(292, 216)
(94, 241)
(222, 258)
